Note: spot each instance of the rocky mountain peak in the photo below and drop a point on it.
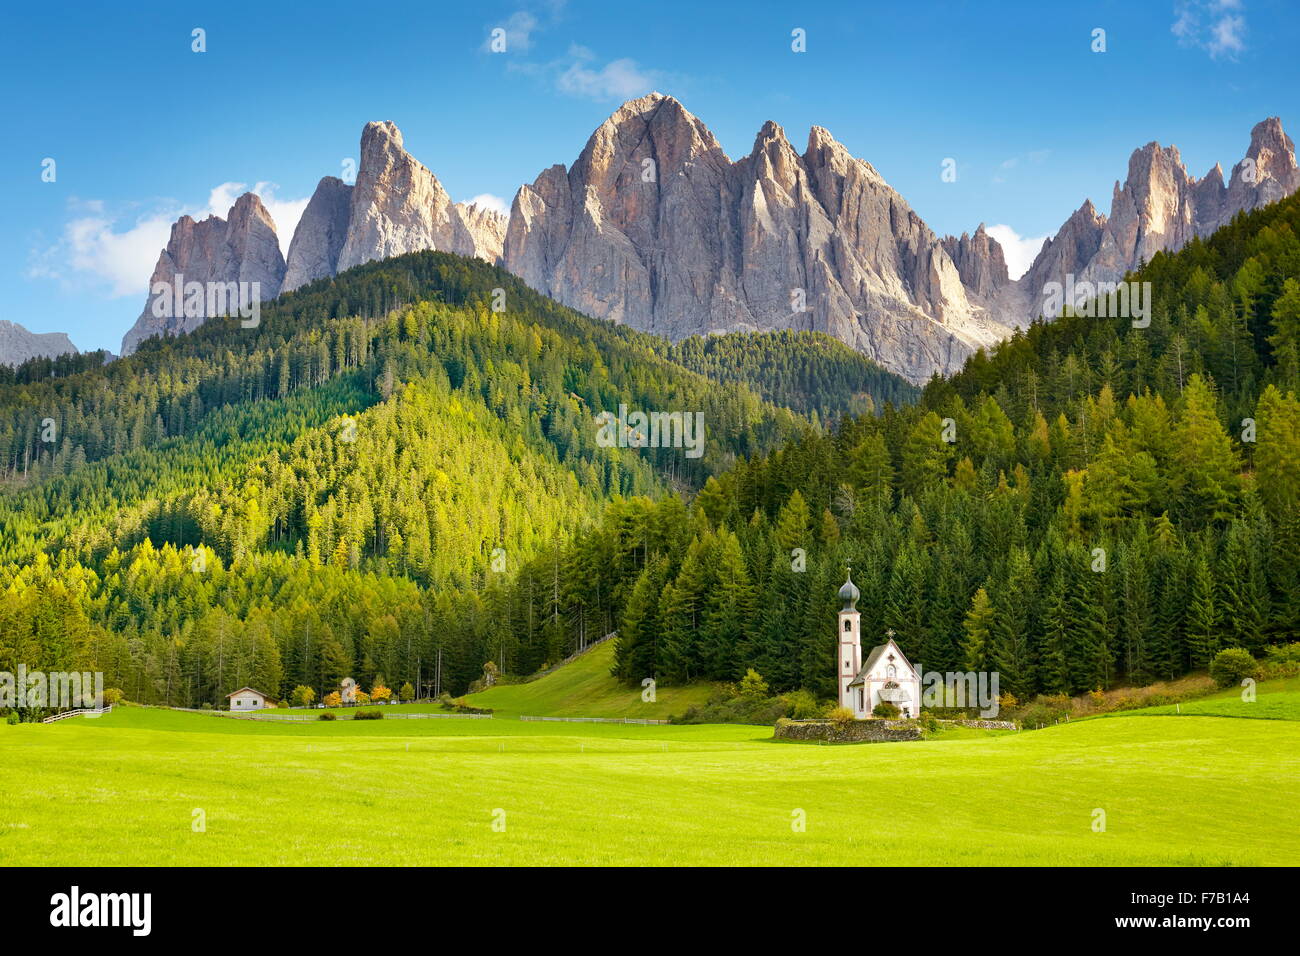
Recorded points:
(321, 233)
(980, 262)
(1267, 172)
(241, 248)
(399, 206)
(1160, 207)
(774, 240)
(17, 344)
(1268, 135)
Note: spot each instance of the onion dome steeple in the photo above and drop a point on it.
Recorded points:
(849, 593)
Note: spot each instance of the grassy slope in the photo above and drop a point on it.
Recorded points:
(1274, 700)
(120, 790)
(584, 688)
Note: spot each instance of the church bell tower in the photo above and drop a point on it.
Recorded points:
(850, 641)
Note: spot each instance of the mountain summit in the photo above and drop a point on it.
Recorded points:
(655, 226)
(1159, 208)
(17, 345)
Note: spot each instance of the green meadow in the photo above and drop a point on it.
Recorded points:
(1276, 700)
(123, 789)
(583, 688)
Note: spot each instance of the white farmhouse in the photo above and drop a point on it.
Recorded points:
(247, 699)
(886, 674)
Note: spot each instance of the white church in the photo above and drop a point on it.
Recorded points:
(886, 674)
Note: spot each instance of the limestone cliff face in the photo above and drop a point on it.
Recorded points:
(1154, 210)
(1266, 174)
(398, 206)
(1160, 207)
(240, 248)
(656, 227)
(979, 261)
(322, 230)
(17, 345)
(1068, 252)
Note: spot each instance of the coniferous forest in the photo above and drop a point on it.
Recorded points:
(386, 471)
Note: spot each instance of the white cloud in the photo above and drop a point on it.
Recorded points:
(117, 251)
(1211, 25)
(1227, 37)
(489, 201)
(620, 79)
(1019, 252)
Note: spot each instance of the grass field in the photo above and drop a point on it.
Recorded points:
(121, 789)
(1275, 700)
(581, 688)
(584, 688)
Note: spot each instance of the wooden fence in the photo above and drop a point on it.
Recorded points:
(600, 720)
(89, 711)
(268, 716)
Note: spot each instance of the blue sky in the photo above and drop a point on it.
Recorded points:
(142, 128)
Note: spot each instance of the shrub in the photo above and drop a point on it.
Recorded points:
(1281, 661)
(12, 718)
(1044, 711)
(361, 698)
(327, 715)
(206, 705)
(842, 716)
(752, 685)
(726, 709)
(1284, 653)
(302, 696)
(460, 706)
(112, 696)
(1007, 701)
(801, 705)
(1232, 665)
(885, 709)
(370, 715)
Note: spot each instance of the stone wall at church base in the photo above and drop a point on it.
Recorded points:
(985, 724)
(850, 732)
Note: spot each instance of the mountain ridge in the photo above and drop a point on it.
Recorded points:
(18, 345)
(656, 227)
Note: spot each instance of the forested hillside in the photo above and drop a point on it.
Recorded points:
(388, 466)
(805, 371)
(1112, 504)
(1088, 505)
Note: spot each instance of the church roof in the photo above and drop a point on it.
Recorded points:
(876, 653)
